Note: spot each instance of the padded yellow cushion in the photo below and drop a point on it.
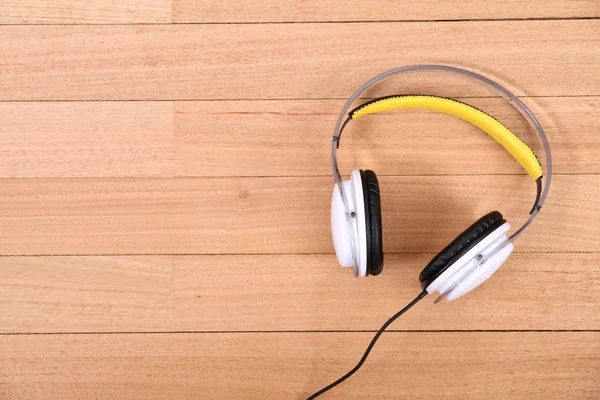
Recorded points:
(515, 146)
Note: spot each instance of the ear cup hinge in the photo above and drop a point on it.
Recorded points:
(536, 205)
(339, 136)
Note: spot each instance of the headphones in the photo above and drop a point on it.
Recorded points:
(477, 252)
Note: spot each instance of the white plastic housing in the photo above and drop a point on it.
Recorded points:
(340, 230)
(474, 267)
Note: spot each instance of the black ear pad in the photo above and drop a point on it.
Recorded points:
(459, 246)
(373, 222)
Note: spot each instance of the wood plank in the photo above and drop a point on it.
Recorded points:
(175, 62)
(356, 10)
(89, 294)
(311, 292)
(187, 11)
(84, 12)
(275, 215)
(466, 365)
(86, 139)
(236, 137)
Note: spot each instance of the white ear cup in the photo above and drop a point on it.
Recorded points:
(339, 230)
(342, 232)
(474, 267)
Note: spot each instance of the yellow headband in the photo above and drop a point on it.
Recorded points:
(515, 146)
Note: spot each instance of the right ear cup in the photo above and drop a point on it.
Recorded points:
(459, 246)
(374, 233)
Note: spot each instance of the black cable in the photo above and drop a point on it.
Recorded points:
(370, 347)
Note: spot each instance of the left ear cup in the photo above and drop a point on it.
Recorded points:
(373, 226)
(459, 246)
(349, 234)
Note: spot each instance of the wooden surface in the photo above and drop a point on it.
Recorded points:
(290, 365)
(276, 215)
(287, 61)
(191, 11)
(88, 12)
(165, 194)
(161, 139)
(167, 293)
(377, 10)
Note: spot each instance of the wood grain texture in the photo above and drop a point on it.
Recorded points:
(311, 292)
(84, 11)
(91, 294)
(303, 292)
(356, 10)
(234, 138)
(275, 215)
(287, 60)
(192, 11)
(229, 138)
(154, 247)
(466, 365)
(84, 139)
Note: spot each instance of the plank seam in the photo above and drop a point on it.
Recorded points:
(309, 331)
(202, 177)
(378, 21)
(272, 99)
(258, 254)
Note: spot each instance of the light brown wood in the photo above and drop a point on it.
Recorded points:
(84, 11)
(227, 138)
(278, 215)
(86, 139)
(190, 11)
(466, 365)
(234, 138)
(165, 199)
(306, 292)
(357, 10)
(540, 58)
(311, 292)
(90, 294)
